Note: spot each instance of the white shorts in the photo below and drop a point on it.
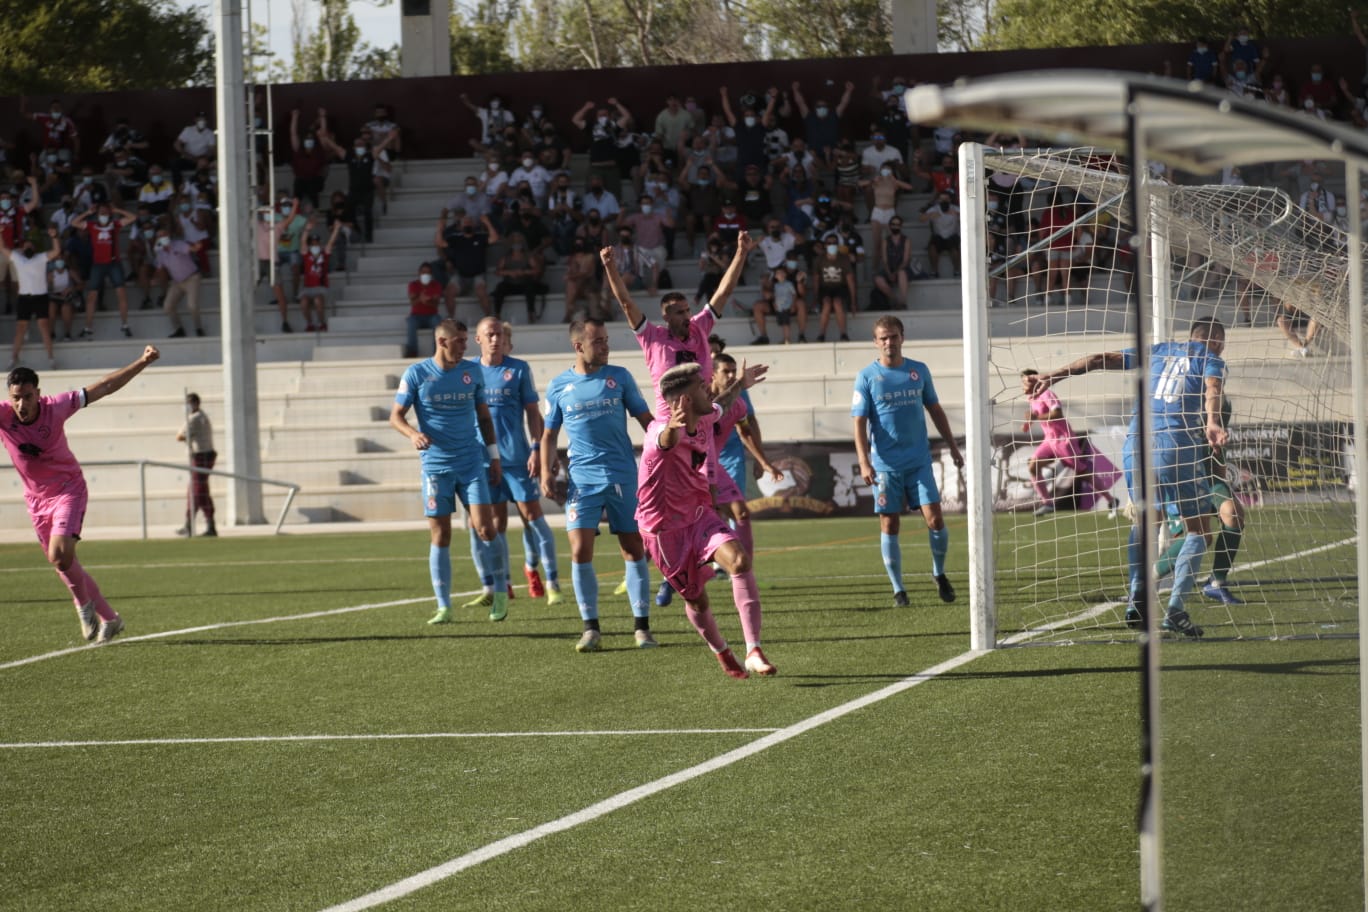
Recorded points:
(882, 216)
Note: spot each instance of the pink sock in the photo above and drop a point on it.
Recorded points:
(747, 596)
(1044, 492)
(743, 532)
(706, 625)
(84, 589)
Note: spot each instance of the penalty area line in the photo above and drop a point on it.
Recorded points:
(493, 850)
(380, 736)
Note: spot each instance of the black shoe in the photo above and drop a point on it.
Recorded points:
(184, 531)
(1179, 622)
(900, 599)
(760, 340)
(845, 338)
(146, 303)
(126, 331)
(210, 532)
(1135, 614)
(200, 333)
(802, 338)
(178, 334)
(822, 337)
(946, 591)
(285, 327)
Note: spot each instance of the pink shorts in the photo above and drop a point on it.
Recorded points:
(680, 554)
(60, 515)
(1065, 448)
(727, 491)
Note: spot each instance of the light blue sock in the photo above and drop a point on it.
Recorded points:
(1133, 555)
(496, 561)
(529, 538)
(639, 587)
(1185, 570)
(546, 543)
(478, 557)
(586, 590)
(892, 558)
(940, 543)
(439, 565)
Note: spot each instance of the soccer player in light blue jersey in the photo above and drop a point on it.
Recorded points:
(1186, 388)
(512, 399)
(893, 396)
(592, 400)
(446, 394)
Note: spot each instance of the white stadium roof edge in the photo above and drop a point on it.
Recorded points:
(1188, 125)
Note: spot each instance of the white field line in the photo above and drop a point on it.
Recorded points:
(416, 736)
(621, 800)
(1033, 632)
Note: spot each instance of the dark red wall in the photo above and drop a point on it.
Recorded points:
(436, 125)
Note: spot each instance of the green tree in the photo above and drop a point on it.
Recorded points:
(101, 45)
(820, 28)
(480, 33)
(334, 52)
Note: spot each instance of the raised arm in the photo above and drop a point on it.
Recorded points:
(726, 107)
(845, 98)
(294, 130)
(119, 379)
(619, 289)
(799, 100)
(1084, 365)
(578, 117)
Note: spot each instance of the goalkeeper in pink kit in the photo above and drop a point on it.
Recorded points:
(1064, 445)
(679, 525)
(33, 428)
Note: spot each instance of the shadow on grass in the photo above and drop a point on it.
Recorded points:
(1306, 666)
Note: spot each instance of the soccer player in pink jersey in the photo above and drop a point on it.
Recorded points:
(33, 429)
(1062, 444)
(675, 513)
(681, 339)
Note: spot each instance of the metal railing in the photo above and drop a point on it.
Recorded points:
(291, 488)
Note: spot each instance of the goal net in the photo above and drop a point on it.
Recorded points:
(1058, 276)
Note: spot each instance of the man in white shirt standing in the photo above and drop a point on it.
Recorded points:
(31, 269)
(194, 142)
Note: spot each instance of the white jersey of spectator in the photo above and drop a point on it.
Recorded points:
(380, 130)
(777, 142)
(806, 161)
(874, 158)
(776, 251)
(492, 122)
(537, 177)
(1318, 200)
(492, 181)
(946, 224)
(32, 272)
(944, 139)
(197, 142)
(603, 201)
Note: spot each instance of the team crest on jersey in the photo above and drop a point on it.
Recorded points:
(507, 375)
(914, 375)
(403, 387)
(465, 378)
(857, 399)
(610, 383)
(572, 514)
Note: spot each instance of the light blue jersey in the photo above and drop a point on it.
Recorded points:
(894, 399)
(732, 456)
(594, 409)
(1177, 385)
(508, 390)
(443, 402)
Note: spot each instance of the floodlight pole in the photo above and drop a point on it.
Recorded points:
(235, 264)
(1150, 813)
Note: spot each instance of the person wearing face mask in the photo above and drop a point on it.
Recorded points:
(673, 124)
(127, 173)
(13, 226)
(157, 192)
(582, 280)
(893, 265)
(833, 275)
(1318, 200)
(1318, 88)
(308, 162)
(59, 130)
(604, 133)
(1241, 47)
(1202, 63)
(702, 199)
(881, 192)
(313, 293)
(538, 178)
(465, 246)
(648, 226)
(424, 294)
(944, 218)
(193, 223)
(381, 126)
(55, 176)
(197, 140)
(64, 291)
(30, 268)
(360, 160)
(563, 210)
(494, 117)
(177, 266)
(822, 124)
(601, 199)
(102, 227)
(124, 137)
(520, 272)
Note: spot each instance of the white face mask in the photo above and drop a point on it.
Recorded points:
(308, 143)
(360, 150)
(750, 121)
(536, 113)
(493, 166)
(201, 124)
(163, 243)
(425, 278)
(104, 219)
(471, 191)
(494, 105)
(832, 249)
(821, 111)
(528, 163)
(315, 249)
(886, 172)
(646, 208)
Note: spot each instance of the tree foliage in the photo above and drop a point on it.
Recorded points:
(1014, 24)
(101, 45)
(333, 50)
(480, 37)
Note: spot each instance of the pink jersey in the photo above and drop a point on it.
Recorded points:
(674, 486)
(1042, 404)
(663, 351)
(40, 451)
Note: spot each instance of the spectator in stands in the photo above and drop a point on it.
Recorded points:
(1202, 64)
(128, 174)
(308, 162)
(602, 199)
(824, 217)
(701, 199)
(494, 117)
(1056, 232)
(59, 131)
(943, 178)
(551, 147)
(61, 217)
(892, 121)
(833, 275)
(821, 124)
(535, 128)
(582, 280)
(340, 212)
(192, 224)
(564, 213)
(124, 137)
(877, 154)
(493, 181)
(798, 156)
(776, 137)
(778, 245)
(424, 294)
(893, 264)
(1240, 47)
(852, 245)
(800, 194)
(727, 224)
(1242, 79)
(202, 186)
(712, 263)
(520, 272)
(881, 191)
(54, 176)
(946, 140)
(785, 297)
(1299, 328)
(30, 267)
(1005, 249)
(290, 242)
(674, 125)
(64, 290)
(142, 234)
(177, 261)
(1276, 92)
(943, 217)
(465, 246)
(604, 134)
(846, 175)
(194, 142)
(360, 162)
(1318, 199)
(638, 268)
(721, 141)
(102, 232)
(1318, 89)
(270, 226)
(14, 214)
(530, 225)
(538, 178)
(157, 192)
(649, 225)
(313, 268)
(89, 192)
(749, 132)
(755, 192)
(384, 131)
(594, 232)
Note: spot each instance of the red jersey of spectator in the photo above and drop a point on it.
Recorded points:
(57, 130)
(315, 269)
(12, 226)
(945, 182)
(1053, 220)
(424, 298)
(104, 241)
(309, 163)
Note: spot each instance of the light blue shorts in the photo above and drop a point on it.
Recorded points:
(442, 489)
(585, 506)
(913, 488)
